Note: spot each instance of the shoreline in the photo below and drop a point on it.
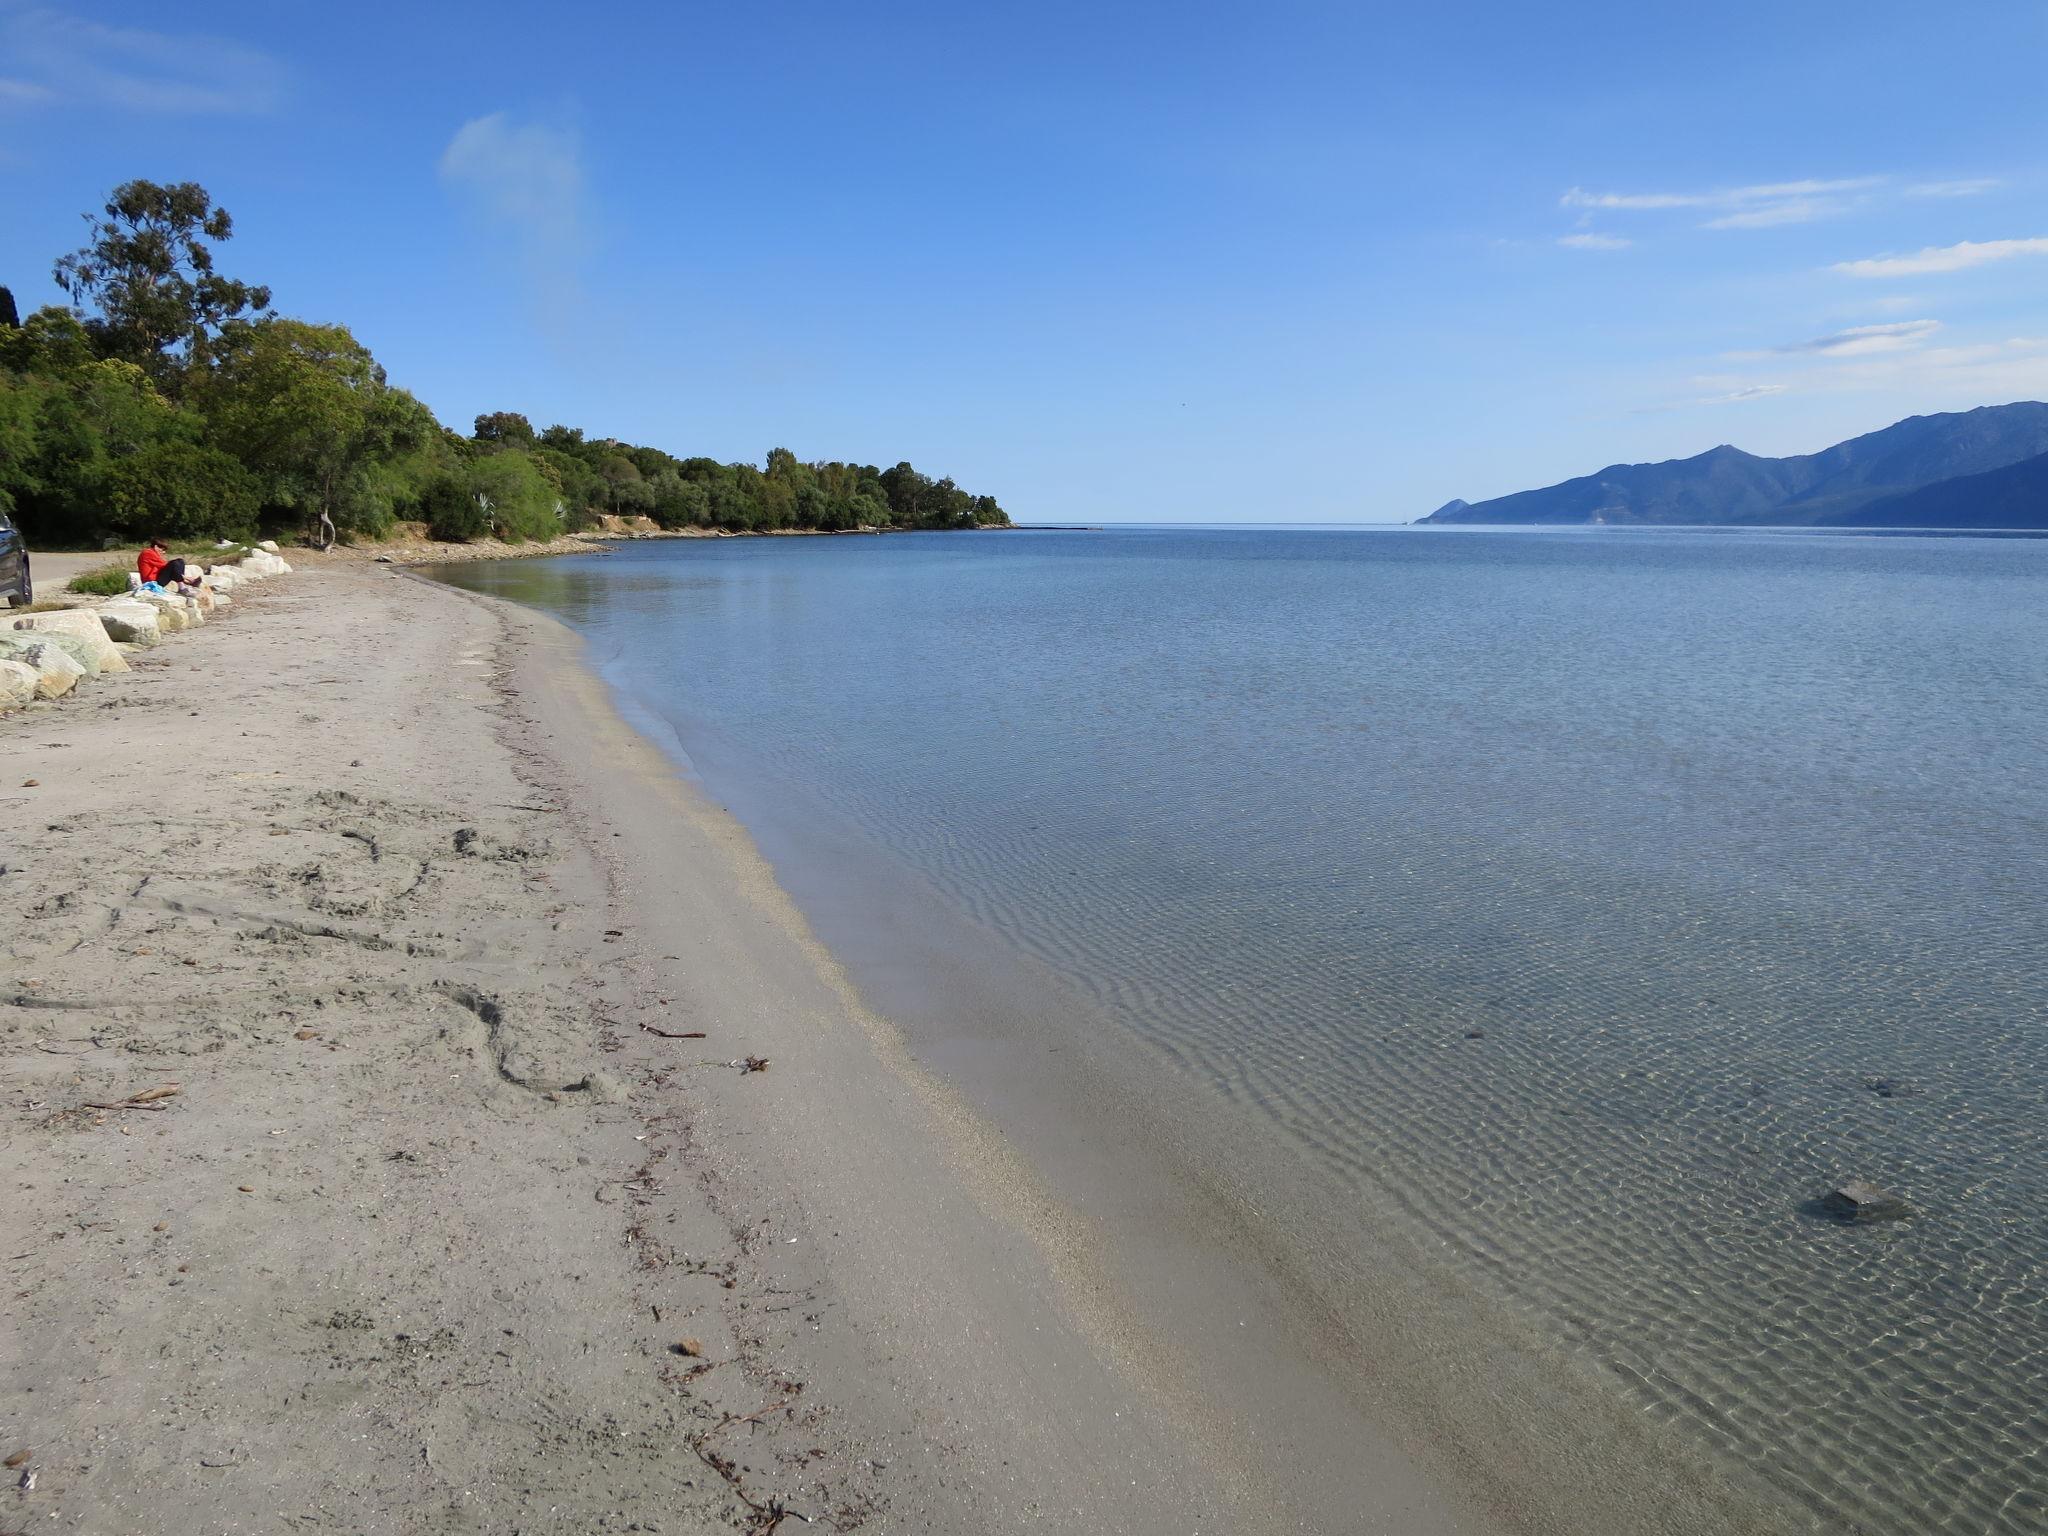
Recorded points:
(430, 1216)
(502, 912)
(1093, 1395)
(1498, 1423)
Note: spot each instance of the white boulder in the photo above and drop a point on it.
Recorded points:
(83, 624)
(23, 647)
(57, 671)
(268, 546)
(170, 614)
(132, 622)
(17, 683)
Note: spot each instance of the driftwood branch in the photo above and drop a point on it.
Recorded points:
(147, 1099)
(671, 1034)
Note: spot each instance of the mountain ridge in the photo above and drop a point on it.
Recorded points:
(1831, 487)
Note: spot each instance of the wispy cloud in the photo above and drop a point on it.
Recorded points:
(1753, 200)
(527, 181)
(1944, 258)
(2015, 368)
(56, 58)
(1747, 392)
(1588, 240)
(1794, 210)
(1969, 187)
(1856, 341)
(1859, 340)
(1728, 393)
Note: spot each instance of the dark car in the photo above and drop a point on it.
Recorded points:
(15, 586)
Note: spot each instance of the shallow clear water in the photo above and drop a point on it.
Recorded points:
(1602, 896)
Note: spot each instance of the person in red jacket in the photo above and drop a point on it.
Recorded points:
(155, 564)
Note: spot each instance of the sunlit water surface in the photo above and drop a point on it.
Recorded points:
(1604, 896)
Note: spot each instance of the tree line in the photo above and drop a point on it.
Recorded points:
(170, 400)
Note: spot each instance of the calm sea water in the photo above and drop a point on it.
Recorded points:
(1603, 896)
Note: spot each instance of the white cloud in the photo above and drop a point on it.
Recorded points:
(527, 181)
(1590, 241)
(69, 58)
(1944, 258)
(529, 176)
(1969, 187)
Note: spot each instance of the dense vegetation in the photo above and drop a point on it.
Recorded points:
(170, 399)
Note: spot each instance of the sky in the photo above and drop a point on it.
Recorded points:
(1105, 261)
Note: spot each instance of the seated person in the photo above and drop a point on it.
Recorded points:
(156, 568)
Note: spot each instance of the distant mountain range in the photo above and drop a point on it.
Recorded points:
(1986, 468)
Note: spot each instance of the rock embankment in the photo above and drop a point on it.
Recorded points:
(47, 655)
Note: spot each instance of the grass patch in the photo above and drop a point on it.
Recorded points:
(107, 581)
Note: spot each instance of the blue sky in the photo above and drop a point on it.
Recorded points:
(1105, 261)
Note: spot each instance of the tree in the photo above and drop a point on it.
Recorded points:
(9, 315)
(20, 405)
(66, 430)
(505, 427)
(177, 489)
(584, 490)
(519, 499)
(680, 503)
(52, 341)
(306, 408)
(451, 512)
(149, 272)
(906, 490)
(625, 487)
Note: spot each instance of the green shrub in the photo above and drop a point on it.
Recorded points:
(106, 581)
(520, 500)
(450, 512)
(179, 489)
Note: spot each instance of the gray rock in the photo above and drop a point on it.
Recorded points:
(1857, 1200)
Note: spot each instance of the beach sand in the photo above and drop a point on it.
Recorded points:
(451, 1224)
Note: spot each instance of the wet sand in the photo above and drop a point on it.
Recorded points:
(449, 1224)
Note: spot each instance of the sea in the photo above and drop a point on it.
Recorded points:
(1594, 900)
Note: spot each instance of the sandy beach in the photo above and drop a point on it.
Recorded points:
(467, 1211)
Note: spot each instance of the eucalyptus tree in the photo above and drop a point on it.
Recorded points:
(148, 274)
